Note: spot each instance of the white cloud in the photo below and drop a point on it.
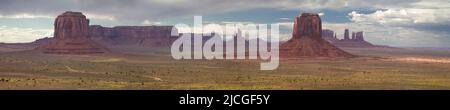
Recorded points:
(285, 18)
(411, 26)
(285, 24)
(99, 16)
(431, 4)
(22, 35)
(402, 16)
(35, 16)
(148, 22)
(321, 14)
(24, 15)
(236, 22)
(390, 35)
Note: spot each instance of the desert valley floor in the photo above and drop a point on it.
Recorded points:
(377, 68)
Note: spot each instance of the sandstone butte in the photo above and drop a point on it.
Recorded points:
(71, 36)
(307, 40)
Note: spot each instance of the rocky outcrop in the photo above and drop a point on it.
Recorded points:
(359, 36)
(326, 33)
(307, 40)
(357, 39)
(70, 36)
(353, 35)
(329, 35)
(41, 41)
(155, 36)
(346, 35)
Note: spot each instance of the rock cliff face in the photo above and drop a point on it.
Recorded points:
(307, 40)
(70, 36)
(132, 35)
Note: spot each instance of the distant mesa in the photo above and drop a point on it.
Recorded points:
(356, 40)
(307, 40)
(154, 36)
(71, 36)
(42, 41)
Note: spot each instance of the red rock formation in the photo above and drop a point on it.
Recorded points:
(346, 35)
(42, 41)
(307, 40)
(132, 35)
(326, 33)
(353, 35)
(359, 36)
(329, 35)
(70, 36)
(357, 41)
(307, 25)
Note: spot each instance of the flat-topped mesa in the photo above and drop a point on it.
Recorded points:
(154, 36)
(307, 40)
(71, 36)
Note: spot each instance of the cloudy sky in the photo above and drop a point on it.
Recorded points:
(405, 23)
